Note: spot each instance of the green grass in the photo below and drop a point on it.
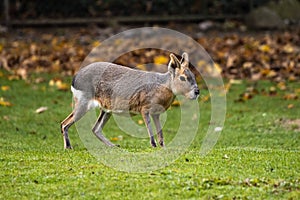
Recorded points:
(256, 157)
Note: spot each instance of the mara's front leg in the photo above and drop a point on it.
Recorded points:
(146, 117)
(158, 129)
(98, 127)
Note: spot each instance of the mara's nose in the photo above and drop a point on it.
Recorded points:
(197, 91)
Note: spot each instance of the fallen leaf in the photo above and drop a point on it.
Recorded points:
(63, 86)
(22, 73)
(176, 103)
(297, 90)
(252, 90)
(271, 74)
(4, 63)
(6, 118)
(268, 73)
(281, 85)
(290, 96)
(114, 139)
(264, 48)
(247, 65)
(201, 64)
(272, 91)
(41, 110)
(120, 137)
(39, 80)
(235, 81)
(59, 84)
(13, 77)
(288, 48)
(227, 87)
(4, 103)
(52, 82)
(218, 129)
(96, 43)
(5, 88)
(56, 66)
(141, 67)
(205, 98)
(292, 78)
(218, 69)
(290, 106)
(231, 60)
(246, 96)
(161, 60)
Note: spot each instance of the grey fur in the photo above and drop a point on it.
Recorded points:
(122, 90)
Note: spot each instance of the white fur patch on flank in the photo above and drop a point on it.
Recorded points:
(76, 93)
(93, 104)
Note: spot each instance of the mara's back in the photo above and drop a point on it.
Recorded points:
(118, 87)
(112, 76)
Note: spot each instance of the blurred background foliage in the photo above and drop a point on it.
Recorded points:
(33, 9)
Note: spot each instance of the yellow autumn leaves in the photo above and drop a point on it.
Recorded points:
(59, 84)
(55, 83)
(161, 60)
(3, 101)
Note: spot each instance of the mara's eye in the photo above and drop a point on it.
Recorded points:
(182, 78)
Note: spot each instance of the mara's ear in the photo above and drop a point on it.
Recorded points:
(173, 64)
(185, 60)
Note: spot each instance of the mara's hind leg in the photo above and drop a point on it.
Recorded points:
(97, 129)
(64, 130)
(158, 129)
(78, 112)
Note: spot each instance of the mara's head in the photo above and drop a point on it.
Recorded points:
(183, 80)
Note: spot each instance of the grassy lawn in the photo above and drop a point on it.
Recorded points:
(256, 157)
